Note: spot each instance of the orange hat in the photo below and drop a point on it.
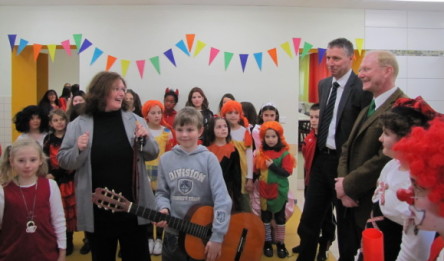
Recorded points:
(150, 104)
(234, 106)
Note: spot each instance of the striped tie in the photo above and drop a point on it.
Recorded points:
(327, 116)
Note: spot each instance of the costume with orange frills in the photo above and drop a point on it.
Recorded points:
(274, 187)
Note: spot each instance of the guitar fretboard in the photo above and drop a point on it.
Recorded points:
(203, 232)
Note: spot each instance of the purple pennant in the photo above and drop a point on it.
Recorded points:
(85, 45)
(321, 53)
(169, 54)
(12, 38)
(243, 59)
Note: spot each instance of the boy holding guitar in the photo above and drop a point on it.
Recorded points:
(188, 175)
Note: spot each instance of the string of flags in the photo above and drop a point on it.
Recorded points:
(290, 48)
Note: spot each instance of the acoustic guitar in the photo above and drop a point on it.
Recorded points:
(242, 242)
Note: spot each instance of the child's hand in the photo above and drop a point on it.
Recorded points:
(268, 162)
(162, 223)
(50, 176)
(212, 250)
(249, 185)
(62, 255)
(82, 141)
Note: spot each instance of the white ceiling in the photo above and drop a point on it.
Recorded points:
(353, 4)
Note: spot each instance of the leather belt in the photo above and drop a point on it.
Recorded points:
(328, 151)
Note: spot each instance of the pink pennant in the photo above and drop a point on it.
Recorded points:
(296, 43)
(67, 46)
(141, 67)
(213, 54)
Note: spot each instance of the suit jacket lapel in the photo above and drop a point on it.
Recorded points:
(345, 95)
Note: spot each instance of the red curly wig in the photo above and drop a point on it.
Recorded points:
(234, 106)
(423, 152)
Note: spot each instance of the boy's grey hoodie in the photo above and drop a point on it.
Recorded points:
(186, 179)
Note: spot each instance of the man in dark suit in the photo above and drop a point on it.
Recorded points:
(341, 99)
(362, 159)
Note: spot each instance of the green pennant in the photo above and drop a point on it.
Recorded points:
(228, 57)
(77, 40)
(155, 62)
(307, 47)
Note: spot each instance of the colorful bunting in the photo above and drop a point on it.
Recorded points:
(258, 58)
(52, 51)
(200, 46)
(321, 53)
(228, 56)
(296, 43)
(273, 55)
(141, 67)
(307, 47)
(85, 45)
(109, 62)
(12, 38)
(125, 64)
(97, 54)
(213, 54)
(286, 47)
(77, 40)
(37, 48)
(243, 59)
(190, 41)
(169, 54)
(67, 46)
(23, 43)
(181, 46)
(359, 45)
(155, 62)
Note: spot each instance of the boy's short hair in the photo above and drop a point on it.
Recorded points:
(314, 107)
(188, 115)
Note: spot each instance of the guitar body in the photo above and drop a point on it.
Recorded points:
(242, 225)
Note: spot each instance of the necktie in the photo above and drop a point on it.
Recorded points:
(327, 116)
(371, 108)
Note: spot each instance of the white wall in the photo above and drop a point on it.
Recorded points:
(64, 69)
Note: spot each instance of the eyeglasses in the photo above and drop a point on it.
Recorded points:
(117, 89)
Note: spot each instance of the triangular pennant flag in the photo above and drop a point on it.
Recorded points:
(52, 51)
(286, 47)
(360, 45)
(97, 54)
(155, 62)
(125, 64)
(190, 41)
(228, 56)
(12, 38)
(85, 45)
(37, 48)
(77, 40)
(109, 62)
(199, 47)
(243, 59)
(169, 54)
(67, 46)
(321, 53)
(141, 67)
(258, 58)
(296, 43)
(23, 43)
(213, 54)
(273, 55)
(306, 50)
(181, 46)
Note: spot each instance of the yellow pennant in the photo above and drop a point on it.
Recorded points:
(286, 47)
(199, 47)
(52, 49)
(125, 64)
(359, 45)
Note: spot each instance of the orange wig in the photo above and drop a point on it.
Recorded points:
(234, 106)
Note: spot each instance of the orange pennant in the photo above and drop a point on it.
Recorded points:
(109, 62)
(190, 41)
(273, 55)
(37, 48)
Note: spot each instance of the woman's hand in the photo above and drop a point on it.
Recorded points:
(82, 141)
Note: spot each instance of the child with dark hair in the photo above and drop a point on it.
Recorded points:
(268, 112)
(65, 98)
(49, 102)
(134, 103)
(226, 97)
(218, 141)
(250, 112)
(32, 123)
(388, 213)
(170, 99)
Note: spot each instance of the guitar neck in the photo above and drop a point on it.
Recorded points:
(203, 232)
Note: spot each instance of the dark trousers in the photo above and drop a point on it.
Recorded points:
(320, 196)
(172, 250)
(349, 234)
(122, 228)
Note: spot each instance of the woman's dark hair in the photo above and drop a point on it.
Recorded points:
(137, 102)
(260, 121)
(209, 136)
(190, 95)
(226, 95)
(400, 120)
(75, 88)
(276, 147)
(66, 92)
(99, 88)
(22, 118)
(249, 112)
(45, 104)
